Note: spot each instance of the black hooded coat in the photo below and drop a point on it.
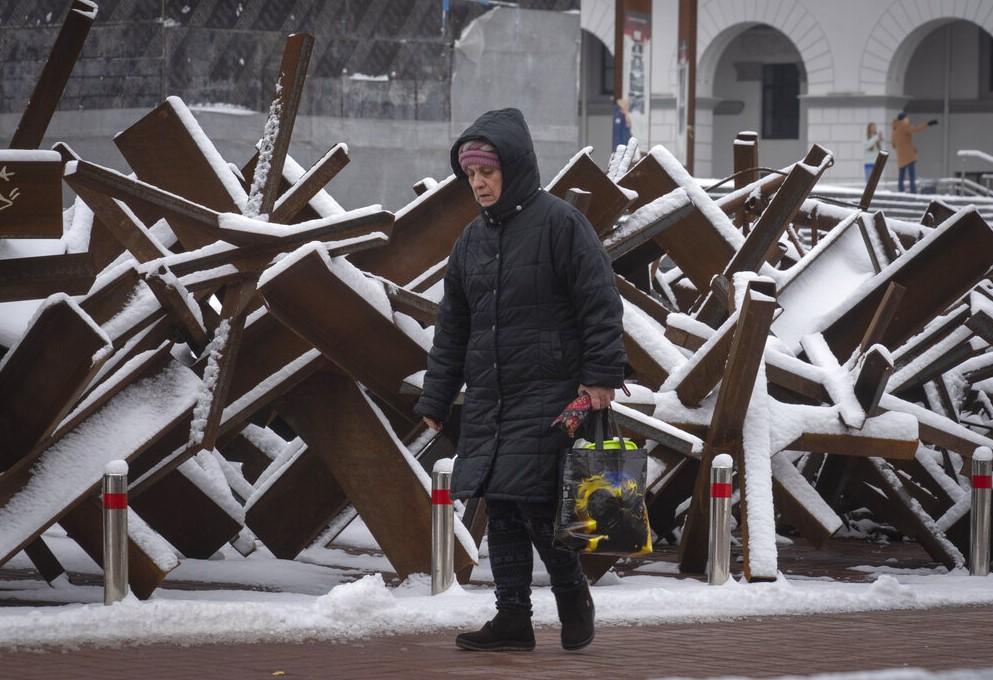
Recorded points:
(530, 312)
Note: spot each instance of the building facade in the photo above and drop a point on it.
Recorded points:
(805, 71)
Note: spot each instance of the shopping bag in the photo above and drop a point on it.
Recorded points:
(602, 500)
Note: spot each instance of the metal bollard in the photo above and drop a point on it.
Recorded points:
(979, 516)
(115, 531)
(442, 527)
(719, 555)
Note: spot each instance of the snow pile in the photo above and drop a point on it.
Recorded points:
(367, 607)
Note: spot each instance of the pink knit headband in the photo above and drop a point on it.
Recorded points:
(478, 152)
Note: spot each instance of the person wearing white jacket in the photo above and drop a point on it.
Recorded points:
(873, 145)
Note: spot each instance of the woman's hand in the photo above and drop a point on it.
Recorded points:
(600, 397)
(433, 424)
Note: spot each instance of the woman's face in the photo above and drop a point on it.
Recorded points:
(872, 129)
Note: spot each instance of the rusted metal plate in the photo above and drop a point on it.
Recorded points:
(128, 424)
(289, 88)
(304, 497)
(345, 226)
(125, 227)
(185, 516)
(241, 449)
(167, 148)
(855, 444)
(335, 418)
(629, 247)
(54, 76)
(642, 300)
(412, 304)
(647, 370)
(261, 388)
(238, 413)
(33, 278)
(267, 346)
(356, 337)
(424, 232)
(937, 272)
(708, 368)
(295, 198)
(84, 524)
(194, 225)
(30, 194)
(693, 243)
(41, 379)
(112, 383)
(223, 355)
(725, 432)
(607, 202)
(44, 560)
(872, 378)
(761, 242)
(816, 525)
(173, 297)
(897, 507)
(746, 162)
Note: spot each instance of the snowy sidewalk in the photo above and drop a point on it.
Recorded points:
(934, 640)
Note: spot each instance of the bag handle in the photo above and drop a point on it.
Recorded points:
(605, 420)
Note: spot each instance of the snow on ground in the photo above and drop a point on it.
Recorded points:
(339, 593)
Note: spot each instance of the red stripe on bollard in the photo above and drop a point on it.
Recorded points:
(719, 490)
(115, 501)
(441, 497)
(982, 482)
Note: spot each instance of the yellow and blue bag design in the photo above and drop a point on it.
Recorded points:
(602, 500)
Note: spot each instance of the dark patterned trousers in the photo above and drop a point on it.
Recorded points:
(513, 528)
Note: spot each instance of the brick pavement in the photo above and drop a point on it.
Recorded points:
(939, 639)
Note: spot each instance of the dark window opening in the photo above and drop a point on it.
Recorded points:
(606, 71)
(780, 101)
(989, 60)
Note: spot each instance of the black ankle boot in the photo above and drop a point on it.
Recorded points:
(508, 631)
(576, 612)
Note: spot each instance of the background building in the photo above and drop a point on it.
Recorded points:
(804, 71)
(397, 80)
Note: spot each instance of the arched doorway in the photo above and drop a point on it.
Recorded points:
(751, 77)
(945, 70)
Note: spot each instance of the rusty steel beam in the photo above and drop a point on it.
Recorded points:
(41, 379)
(289, 89)
(725, 431)
(185, 516)
(423, 234)
(304, 497)
(606, 201)
(32, 278)
(58, 67)
(874, 177)
(292, 201)
(936, 273)
(194, 224)
(332, 414)
(84, 524)
(746, 161)
(357, 338)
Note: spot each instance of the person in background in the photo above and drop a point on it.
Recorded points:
(906, 154)
(873, 145)
(530, 318)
